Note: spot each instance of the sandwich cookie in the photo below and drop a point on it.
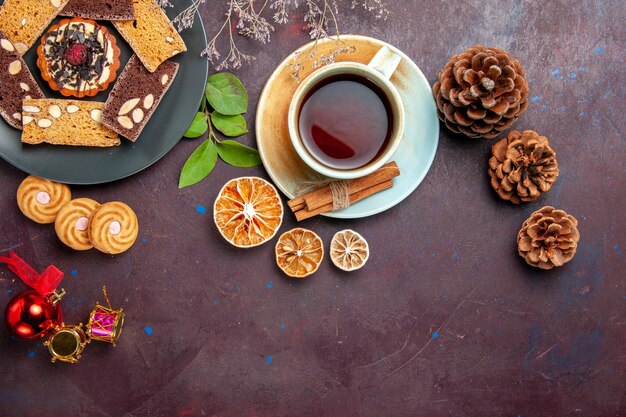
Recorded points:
(113, 227)
(40, 200)
(72, 223)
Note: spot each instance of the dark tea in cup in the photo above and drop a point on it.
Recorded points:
(346, 121)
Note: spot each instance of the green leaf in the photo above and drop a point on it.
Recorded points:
(226, 94)
(199, 165)
(232, 126)
(238, 155)
(202, 104)
(198, 126)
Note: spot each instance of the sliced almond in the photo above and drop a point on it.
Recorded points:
(72, 108)
(15, 67)
(169, 39)
(17, 116)
(24, 87)
(55, 111)
(44, 123)
(125, 122)
(26, 120)
(31, 109)
(164, 79)
(96, 115)
(137, 115)
(148, 101)
(21, 47)
(23, 22)
(55, 3)
(175, 51)
(7, 45)
(128, 106)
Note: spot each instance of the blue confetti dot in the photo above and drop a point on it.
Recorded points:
(536, 99)
(74, 272)
(215, 302)
(269, 285)
(31, 353)
(556, 73)
(616, 247)
(148, 330)
(544, 106)
(600, 50)
(435, 335)
(201, 209)
(282, 325)
(572, 75)
(582, 113)
(144, 240)
(9, 291)
(268, 360)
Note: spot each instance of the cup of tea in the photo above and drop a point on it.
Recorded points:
(346, 119)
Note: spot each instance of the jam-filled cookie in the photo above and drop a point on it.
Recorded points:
(72, 222)
(113, 227)
(40, 200)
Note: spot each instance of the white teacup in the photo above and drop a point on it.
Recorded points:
(378, 71)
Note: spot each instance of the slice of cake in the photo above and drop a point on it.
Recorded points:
(151, 35)
(65, 122)
(16, 83)
(24, 20)
(135, 96)
(100, 10)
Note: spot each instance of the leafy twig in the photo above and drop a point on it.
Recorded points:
(225, 100)
(250, 21)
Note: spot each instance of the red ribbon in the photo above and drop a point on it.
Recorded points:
(44, 284)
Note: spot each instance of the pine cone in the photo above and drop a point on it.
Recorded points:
(548, 238)
(523, 166)
(481, 92)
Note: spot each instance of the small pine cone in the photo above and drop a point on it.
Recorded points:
(522, 166)
(481, 92)
(548, 238)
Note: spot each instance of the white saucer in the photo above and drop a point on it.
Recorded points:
(414, 155)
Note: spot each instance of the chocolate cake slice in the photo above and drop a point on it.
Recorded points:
(100, 10)
(16, 83)
(135, 96)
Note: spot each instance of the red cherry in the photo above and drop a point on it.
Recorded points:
(77, 54)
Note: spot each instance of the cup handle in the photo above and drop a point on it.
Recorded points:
(385, 61)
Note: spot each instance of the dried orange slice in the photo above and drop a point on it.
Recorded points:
(349, 250)
(248, 211)
(299, 252)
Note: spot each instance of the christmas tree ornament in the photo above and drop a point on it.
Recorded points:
(481, 92)
(522, 166)
(30, 315)
(66, 343)
(105, 324)
(548, 238)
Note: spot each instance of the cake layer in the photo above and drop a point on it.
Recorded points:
(100, 10)
(135, 97)
(151, 35)
(24, 20)
(17, 83)
(65, 122)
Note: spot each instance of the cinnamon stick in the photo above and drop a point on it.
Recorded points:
(323, 196)
(304, 214)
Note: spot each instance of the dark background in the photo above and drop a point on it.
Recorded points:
(445, 319)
